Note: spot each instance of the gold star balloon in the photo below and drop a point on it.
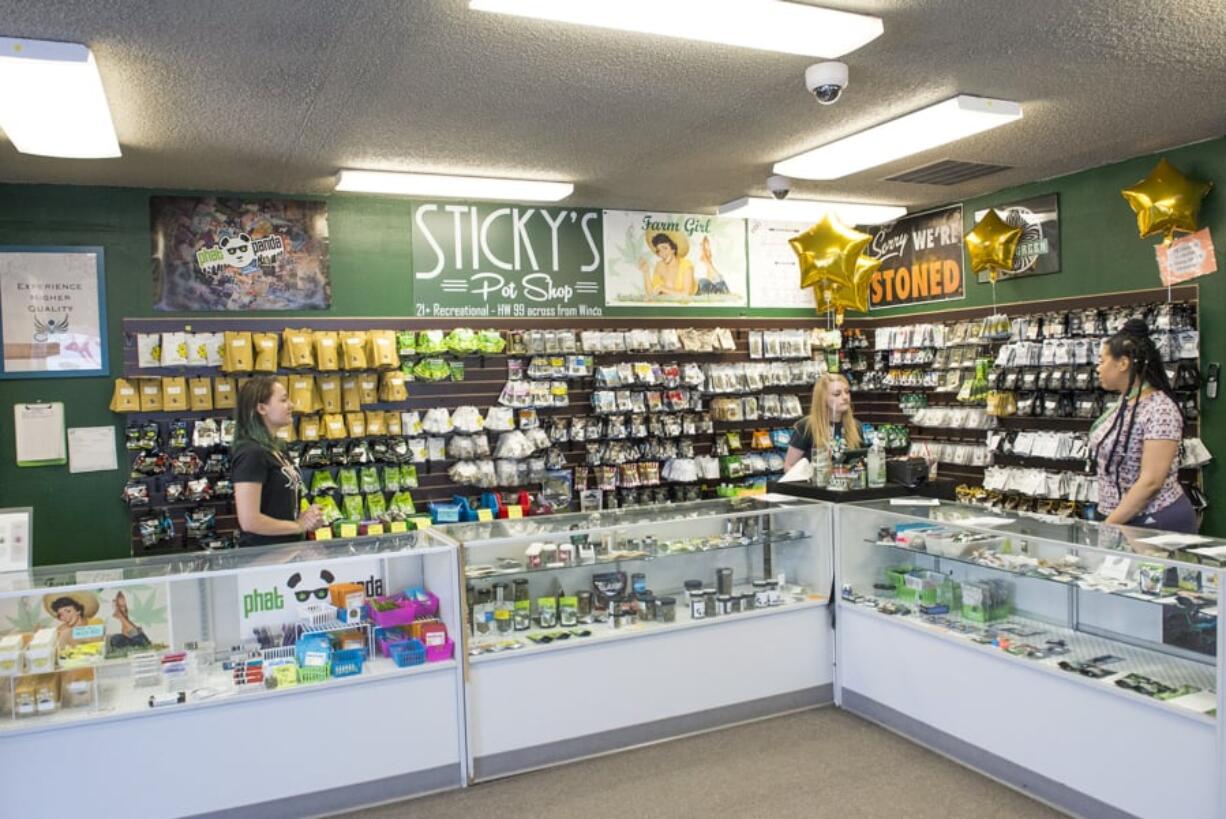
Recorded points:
(828, 251)
(1166, 201)
(991, 244)
(839, 297)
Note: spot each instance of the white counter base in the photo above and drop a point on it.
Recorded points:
(540, 708)
(1086, 751)
(266, 756)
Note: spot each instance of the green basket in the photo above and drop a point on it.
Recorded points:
(313, 674)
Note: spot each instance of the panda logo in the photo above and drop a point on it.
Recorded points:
(238, 250)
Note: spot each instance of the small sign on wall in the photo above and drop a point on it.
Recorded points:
(1038, 249)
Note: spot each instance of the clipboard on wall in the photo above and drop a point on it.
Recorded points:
(40, 436)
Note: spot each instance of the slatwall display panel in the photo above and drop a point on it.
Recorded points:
(484, 377)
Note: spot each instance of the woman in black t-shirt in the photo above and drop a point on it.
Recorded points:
(267, 485)
(830, 415)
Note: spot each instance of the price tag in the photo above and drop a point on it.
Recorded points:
(397, 526)
(515, 511)
(323, 533)
(422, 523)
(349, 530)
(485, 514)
(374, 529)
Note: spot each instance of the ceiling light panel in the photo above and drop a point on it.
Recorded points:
(453, 187)
(913, 133)
(809, 210)
(769, 25)
(52, 102)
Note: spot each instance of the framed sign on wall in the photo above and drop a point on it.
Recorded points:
(52, 312)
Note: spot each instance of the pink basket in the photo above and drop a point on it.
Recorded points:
(445, 651)
(427, 608)
(402, 615)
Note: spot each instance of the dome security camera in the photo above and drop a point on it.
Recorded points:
(826, 81)
(779, 186)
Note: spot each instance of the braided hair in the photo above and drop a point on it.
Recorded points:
(1145, 369)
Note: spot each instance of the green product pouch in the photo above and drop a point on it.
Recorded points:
(391, 478)
(370, 480)
(406, 343)
(490, 341)
(328, 508)
(408, 476)
(353, 507)
(348, 479)
(376, 506)
(322, 481)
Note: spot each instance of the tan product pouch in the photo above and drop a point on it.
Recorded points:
(225, 393)
(309, 428)
(334, 427)
(200, 394)
(391, 422)
(351, 394)
(374, 423)
(392, 388)
(296, 352)
(174, 393)
(302, 393)
(265, 352)
(238, 356)
(327, 352)
(381, 349)
(125, 398)
(368, 383)
(353, 343)
(329, 392)
(356, 423)
(150, 394)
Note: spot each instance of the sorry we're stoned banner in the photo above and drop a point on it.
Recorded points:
(921, 259)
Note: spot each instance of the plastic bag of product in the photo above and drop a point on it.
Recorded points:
(327, 351)
(266, 346)
(238, 356)
(353, 349)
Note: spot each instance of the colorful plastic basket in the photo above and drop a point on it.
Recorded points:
(407, 653)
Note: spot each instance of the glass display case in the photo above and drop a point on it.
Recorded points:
(228, 642)
(715, 605)
(85, 641)
(1077, 646)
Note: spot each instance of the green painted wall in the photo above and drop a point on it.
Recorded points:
(80, 517)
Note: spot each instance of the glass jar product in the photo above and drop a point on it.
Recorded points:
(521, 590)
(723, 580)
(502, 620)
(566, 554)
(761, 594)
(617, 618)
(773, 588)
(638, 583)
(547, 611)
(584, 604)
(666, 609)
(735, 603)
(692, 588)
(822, 465)
(568, 611)
(698, 605)
(549, 554)
(645, 606)
(723, 603)
(710, 606)
(521, 617)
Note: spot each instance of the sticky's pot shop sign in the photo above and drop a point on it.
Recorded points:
(506, 261)
(921, 260)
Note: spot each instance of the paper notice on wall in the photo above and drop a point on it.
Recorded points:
(1186, 258)
(15, 529)
(91, 449)
(774, 273)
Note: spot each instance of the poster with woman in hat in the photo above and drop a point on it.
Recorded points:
(674, 259)
(133, 618)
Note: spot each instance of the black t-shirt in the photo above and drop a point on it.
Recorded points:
(802, 437)
(280, 484)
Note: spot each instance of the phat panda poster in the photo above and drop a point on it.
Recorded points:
(214, 254)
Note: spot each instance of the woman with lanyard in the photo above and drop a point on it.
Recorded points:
(1135, 444)
(267, 485)
(829, 417)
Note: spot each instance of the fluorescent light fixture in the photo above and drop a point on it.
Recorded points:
(810, 210)
(918, 131)
(52, 102)
(453, 187)
(769, 25)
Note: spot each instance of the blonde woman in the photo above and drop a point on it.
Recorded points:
(829, 417)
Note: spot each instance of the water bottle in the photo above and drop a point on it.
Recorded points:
(876, 465)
